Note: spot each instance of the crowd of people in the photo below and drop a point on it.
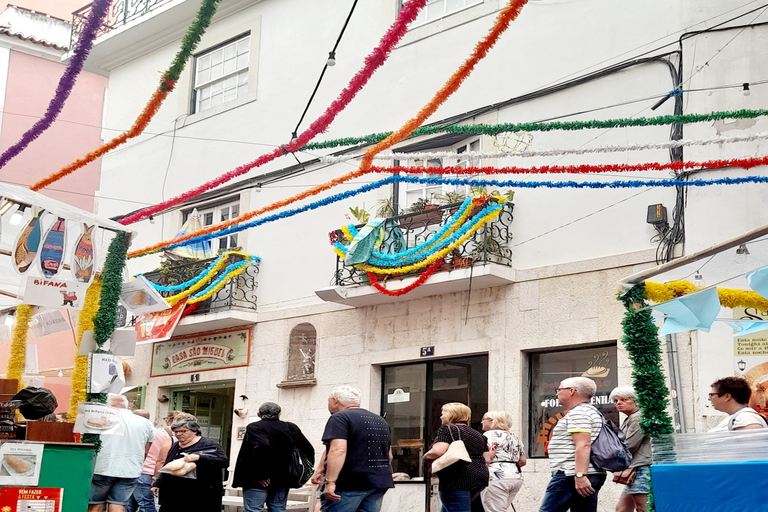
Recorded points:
(179, 468)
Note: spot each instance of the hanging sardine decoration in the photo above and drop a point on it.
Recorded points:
(52, 253)
(84, 257)
(28, 243)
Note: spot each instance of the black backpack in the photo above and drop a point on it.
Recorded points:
(299, 469)
(609, 452)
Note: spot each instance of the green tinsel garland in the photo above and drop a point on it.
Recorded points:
(189, 43)
(105, 320)
(495, 129)
(641, 338)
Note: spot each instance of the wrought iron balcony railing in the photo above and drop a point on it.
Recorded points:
(238, 294)
(121, 13)
(489, 244)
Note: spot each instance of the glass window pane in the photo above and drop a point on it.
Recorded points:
(453, 5)
(229, 52)
(217, 99)
(233, 241)
(548, 369)
(208, 219)
(404, 409)
(244, 46)
(217, 57)
(242, 61)
(235, 210)
(229, 66)
(204, 62)
(435, 9)
(204, 105)
(217, 71)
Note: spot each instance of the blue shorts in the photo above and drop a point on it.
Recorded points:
(111, 489)
(642, 483)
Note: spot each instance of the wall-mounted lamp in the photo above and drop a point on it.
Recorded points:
(742, 365)
(745, 89)
(331, 59)
(151, 219)
(163, 399)
(698, 280)
(242, 412)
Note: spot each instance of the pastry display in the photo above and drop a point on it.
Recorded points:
(101, 422)
(17, 464)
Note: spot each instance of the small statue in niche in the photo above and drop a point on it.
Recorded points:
(307, 363)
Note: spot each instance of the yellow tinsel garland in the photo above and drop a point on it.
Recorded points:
(19, 344)
(80, 372)
(729, 297)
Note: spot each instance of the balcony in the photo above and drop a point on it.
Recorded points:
(485, 259)
(122, 12)
(233, 305)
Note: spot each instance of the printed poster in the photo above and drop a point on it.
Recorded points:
(31, 499)
(106, 373)
(98, 418)
(159, 326)
(20, 463)
(54, 293)
(750, 359)
(200, 352)
(139, 297)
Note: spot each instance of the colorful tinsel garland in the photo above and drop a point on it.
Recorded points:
(112, 282)
(729, 297)
(376, 59)
(80, 372)
(232, 271)
(96, 17)
(496, 129)
(505, 17)
(19, 344)
(206, 274)
(167, 83)
(402, 291)
(226, 228)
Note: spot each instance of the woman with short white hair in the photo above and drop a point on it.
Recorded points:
(635, 495)
(507, 455)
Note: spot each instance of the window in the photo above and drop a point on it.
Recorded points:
(221, 74)
(215, 214)
(547, 369)
(437, 9)
(413, 395)
(416, 191)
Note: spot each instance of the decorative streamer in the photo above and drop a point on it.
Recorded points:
(206, 274)
(99, 9)
(376, 59)
(112, 282)
(505, 17)
(496, 129)
(402, 291)
(80, 372)
(729, 297)
(217, 285)
(478, 155)
(167, 83)
(218, 230)
(231, 271)
(19, 345)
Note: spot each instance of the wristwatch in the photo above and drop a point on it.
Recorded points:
(579, 475)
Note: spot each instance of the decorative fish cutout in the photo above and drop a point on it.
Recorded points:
(84, 257)
(28, 243)
(52, 253)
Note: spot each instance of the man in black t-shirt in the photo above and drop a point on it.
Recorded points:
(358, 468)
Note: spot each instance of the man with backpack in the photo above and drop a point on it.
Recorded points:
(575, 481)
(263, 467)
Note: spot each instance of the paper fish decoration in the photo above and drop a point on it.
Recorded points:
(28, 243)
(52, 253)
(84, 257)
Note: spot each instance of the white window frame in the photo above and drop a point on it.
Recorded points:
(214, 214)
(204, 89)
(439, 9)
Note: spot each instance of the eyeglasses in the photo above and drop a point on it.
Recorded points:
(714, 394)
(181, 431)
(562, 389)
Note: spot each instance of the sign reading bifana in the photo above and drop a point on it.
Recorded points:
(201, 352)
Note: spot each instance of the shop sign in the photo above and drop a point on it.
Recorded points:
(26, 499)
(54, 293)
(201, 352)
(750, 359)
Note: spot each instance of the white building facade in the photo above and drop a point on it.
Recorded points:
(499, 334)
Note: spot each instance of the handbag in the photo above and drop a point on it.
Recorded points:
(626, 477)
(456, 451)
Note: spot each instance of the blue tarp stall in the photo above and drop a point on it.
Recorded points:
(720, 486)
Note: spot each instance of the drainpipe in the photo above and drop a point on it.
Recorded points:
(674, 375)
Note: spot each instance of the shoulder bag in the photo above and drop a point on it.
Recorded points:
(456, 451)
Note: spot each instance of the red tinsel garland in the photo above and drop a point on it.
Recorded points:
(396, 293)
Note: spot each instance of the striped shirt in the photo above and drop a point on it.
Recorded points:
(562, 449)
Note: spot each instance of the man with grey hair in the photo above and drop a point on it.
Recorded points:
(575, 481)
(120, 460)
(358, 458)
(262, 467)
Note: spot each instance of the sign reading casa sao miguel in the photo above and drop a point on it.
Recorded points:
(200, 352)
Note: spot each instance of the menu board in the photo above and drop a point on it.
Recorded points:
(31, 499)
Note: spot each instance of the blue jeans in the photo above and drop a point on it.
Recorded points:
(254, 499)
(355, 501)
(561, 494)
(459, 500)
(143, 499)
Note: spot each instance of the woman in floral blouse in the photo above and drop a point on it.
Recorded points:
(507, 456)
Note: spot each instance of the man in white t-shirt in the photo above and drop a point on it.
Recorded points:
(575, 482)
(731, 395)
(120, 460)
